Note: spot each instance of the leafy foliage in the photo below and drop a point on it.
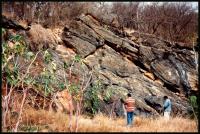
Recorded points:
(61, 86)
(77, 58)
(194, 104)
(31, 128)
(92, 99)
(3, 30)
(47, 57)
(8, 57)
(16, 38)
(65, 65)
(29, 55)
(47, 79)
(74, 89)
(18, 49)
(28, 80)
(108, 94)
(12, 75)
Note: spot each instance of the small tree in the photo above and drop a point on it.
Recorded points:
(194, 104)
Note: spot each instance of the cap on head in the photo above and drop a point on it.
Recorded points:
(129, 94)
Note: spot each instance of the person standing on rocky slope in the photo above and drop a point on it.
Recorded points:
(167, 107)
(130, 107)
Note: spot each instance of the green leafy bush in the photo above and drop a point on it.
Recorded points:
(47, 57)
(92, 100)
(61, 86)
(10, 67)
(194, 104)
(108, 93)
(29, 55)
(12, 75)
(47, 79)
(77, 58)
(74, 89)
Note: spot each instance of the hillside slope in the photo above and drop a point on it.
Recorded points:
(144, 65)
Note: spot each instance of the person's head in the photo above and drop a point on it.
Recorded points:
(129, 94)
(165, 97)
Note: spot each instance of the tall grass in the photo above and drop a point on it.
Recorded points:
(48, 121)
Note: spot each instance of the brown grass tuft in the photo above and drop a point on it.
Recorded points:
(42, 38)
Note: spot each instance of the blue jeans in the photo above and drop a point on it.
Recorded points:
(130, 118)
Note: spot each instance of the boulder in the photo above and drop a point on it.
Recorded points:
(166, 72)
(80, 46)
(146, 56)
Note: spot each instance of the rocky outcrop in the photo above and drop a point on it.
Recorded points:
(118, 62)
(10, 24)
(146, 66)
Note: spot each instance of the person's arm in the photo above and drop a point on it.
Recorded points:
(124, 110)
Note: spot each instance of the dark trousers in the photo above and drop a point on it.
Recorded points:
(129, 118)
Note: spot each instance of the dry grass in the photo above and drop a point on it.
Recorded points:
(48, 121)
(42, 37)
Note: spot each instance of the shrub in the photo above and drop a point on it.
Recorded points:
(194, 104)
